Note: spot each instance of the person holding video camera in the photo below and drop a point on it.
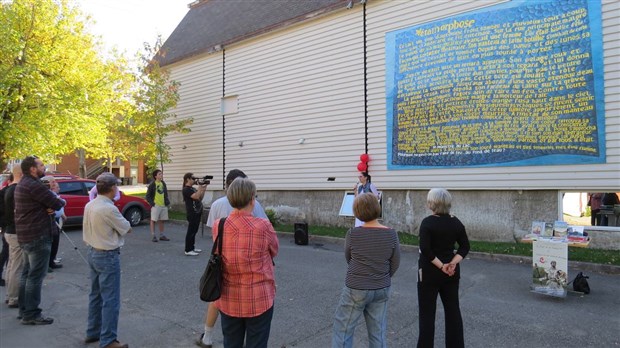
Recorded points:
(193, 206)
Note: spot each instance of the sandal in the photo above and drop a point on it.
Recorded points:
(164, 238)
(154, 239)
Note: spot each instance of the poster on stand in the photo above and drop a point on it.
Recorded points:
(550, 267)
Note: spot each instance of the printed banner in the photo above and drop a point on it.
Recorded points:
(550, 267)
(514, 84)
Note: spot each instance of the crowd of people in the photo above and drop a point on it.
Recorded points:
(32, 219)
(372, 252)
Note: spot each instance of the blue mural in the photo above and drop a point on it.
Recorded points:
(514, 84)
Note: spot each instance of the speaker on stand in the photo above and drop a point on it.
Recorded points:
(301, 233)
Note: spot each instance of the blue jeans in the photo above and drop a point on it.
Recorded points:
(36, 257)
(354, 303)
(104, 300)
(256, 329)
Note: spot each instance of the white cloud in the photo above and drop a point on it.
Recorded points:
(127, 24)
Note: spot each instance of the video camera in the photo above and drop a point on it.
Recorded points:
(205, 180)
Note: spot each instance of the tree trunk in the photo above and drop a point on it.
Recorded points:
(81, 163)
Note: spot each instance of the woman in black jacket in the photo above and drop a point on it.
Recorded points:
(439, 271)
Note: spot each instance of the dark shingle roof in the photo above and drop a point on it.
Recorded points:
(221, 22)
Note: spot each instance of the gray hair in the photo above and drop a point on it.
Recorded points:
(48, 178)
(241, 192)
(439, 201)
(106, 182)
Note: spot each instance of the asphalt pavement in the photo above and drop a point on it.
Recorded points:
(161, 307)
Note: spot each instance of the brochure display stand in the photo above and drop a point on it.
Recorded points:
(550, 255)
(550, 267)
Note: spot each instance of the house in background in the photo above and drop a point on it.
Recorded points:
(130, 172)
(293, 92)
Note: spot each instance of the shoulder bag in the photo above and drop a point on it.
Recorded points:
(211, 280)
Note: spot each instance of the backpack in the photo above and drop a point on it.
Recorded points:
(580, 283)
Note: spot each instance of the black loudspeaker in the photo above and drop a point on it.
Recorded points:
(301, 233)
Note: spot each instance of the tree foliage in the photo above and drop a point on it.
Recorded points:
(156, 97)
(56, 93)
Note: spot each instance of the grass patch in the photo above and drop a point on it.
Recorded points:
(605, 257)
(176, 215)
(520, 249)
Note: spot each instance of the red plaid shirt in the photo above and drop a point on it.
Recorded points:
(248, 248)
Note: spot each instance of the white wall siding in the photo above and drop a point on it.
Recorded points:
(200, 93)
(306, 82)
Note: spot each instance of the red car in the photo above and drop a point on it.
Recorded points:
(75, 191)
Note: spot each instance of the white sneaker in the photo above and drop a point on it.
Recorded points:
(197, 250)
(191, 253)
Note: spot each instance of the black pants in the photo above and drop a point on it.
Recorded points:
(254, 330)
(436, 282)
(55, 242)
(192, 228)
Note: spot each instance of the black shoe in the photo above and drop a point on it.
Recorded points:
(13, 305)
(38, 321)
(2, 282)
(55, 265)
(91, 339)
(50, 270)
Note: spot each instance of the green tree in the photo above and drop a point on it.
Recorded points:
(156, 96)
(56, 93)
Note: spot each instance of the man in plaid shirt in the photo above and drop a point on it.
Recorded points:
(35, 205)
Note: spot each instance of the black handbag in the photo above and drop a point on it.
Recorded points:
(211, 280)
(580, 283)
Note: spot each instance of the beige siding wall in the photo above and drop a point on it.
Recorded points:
(200, 92)
(611, 44)
(306, 81)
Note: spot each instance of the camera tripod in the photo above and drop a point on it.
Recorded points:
(70, 241)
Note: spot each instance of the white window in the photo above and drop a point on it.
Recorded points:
(229, 105)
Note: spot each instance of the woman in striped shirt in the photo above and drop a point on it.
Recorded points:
(373, 254)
